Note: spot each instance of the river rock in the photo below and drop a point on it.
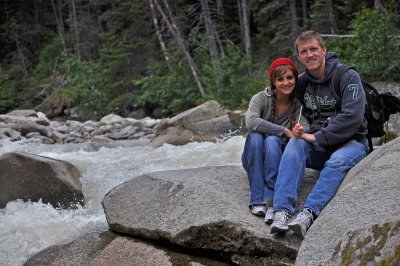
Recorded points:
(206, 111)
(361, 225)
(174, 136)
(54, 105)
(8, 133)
(107, 248)
(25, 113)
(206, 122)
(200, 209)
(32, 177)
(25, 125)
(78, 252)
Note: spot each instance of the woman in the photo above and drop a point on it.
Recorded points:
(271, 115)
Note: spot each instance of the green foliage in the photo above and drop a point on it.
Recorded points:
(377, 44)
(390, 135)
(117, 44)
(175, 91)
(374, 49)
(50, 57)
(273, 38)
(9, 97)
(344, 47)
(232, 87)
(83, 86)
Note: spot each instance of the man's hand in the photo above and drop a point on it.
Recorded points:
(298, 130)
(308, 137)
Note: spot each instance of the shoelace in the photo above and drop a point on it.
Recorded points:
(281, 216)
(308, 217)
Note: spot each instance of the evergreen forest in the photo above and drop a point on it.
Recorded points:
(115, 56)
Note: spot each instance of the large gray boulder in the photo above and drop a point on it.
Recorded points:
(202, 209)
(78, 252)
(32, 177)
(107, 248)
(205, 111)
(205, 122)
(361, 225)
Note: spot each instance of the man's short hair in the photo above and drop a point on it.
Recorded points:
(308, 35)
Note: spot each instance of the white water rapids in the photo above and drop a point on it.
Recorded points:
(27, 228)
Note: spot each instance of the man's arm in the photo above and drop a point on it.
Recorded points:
(349, 120)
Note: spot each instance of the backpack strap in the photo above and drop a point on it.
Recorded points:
(335, 87)
(336, 77)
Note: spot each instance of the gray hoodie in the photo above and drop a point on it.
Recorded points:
(334, 119)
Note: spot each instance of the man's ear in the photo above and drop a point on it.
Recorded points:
(325, 50)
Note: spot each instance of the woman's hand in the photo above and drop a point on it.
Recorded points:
(298, 130)
(288, 133)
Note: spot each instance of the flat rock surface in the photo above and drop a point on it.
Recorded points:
(203, 208)
(361, 225)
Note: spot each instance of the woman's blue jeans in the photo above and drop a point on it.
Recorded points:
(261, 158)
(300, 154)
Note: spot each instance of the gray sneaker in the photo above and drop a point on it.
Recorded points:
(269, 215)
(258, 209)
(301, 223)
(280, 223)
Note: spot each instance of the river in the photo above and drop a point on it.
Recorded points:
(28, 227)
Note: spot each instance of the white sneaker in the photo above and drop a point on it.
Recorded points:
(258, 209)
(302, 222)
(280, 223)
(269, 216)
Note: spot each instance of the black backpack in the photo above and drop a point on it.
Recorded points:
(379, 105)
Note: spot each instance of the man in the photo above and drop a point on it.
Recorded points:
(336, 141)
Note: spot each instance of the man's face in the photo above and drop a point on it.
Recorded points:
(311, 55)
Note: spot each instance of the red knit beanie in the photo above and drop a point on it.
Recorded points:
(279, 62)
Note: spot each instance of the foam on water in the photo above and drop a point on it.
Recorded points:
(26, 228)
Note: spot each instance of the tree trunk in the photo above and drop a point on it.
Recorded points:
(211, 38)
(304, 13)
(294, 29)
(240, 12)
(220, 8)
(57, 12)
(76, 28)
(331, 17)
(244, 16)
(22, 58)
(378, 5)
(173, 28)
(158, 33)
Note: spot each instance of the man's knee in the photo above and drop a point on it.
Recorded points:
(349, 155)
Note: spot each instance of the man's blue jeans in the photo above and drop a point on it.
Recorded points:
(300, 154)
(260, 159)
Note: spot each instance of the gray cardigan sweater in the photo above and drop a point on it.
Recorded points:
(259, 115)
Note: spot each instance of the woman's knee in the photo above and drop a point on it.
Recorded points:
(254, 139)
(297, 145)
(272, 140)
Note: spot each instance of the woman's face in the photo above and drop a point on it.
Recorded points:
(285, 83)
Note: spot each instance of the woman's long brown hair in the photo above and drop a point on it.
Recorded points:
(274, 110)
